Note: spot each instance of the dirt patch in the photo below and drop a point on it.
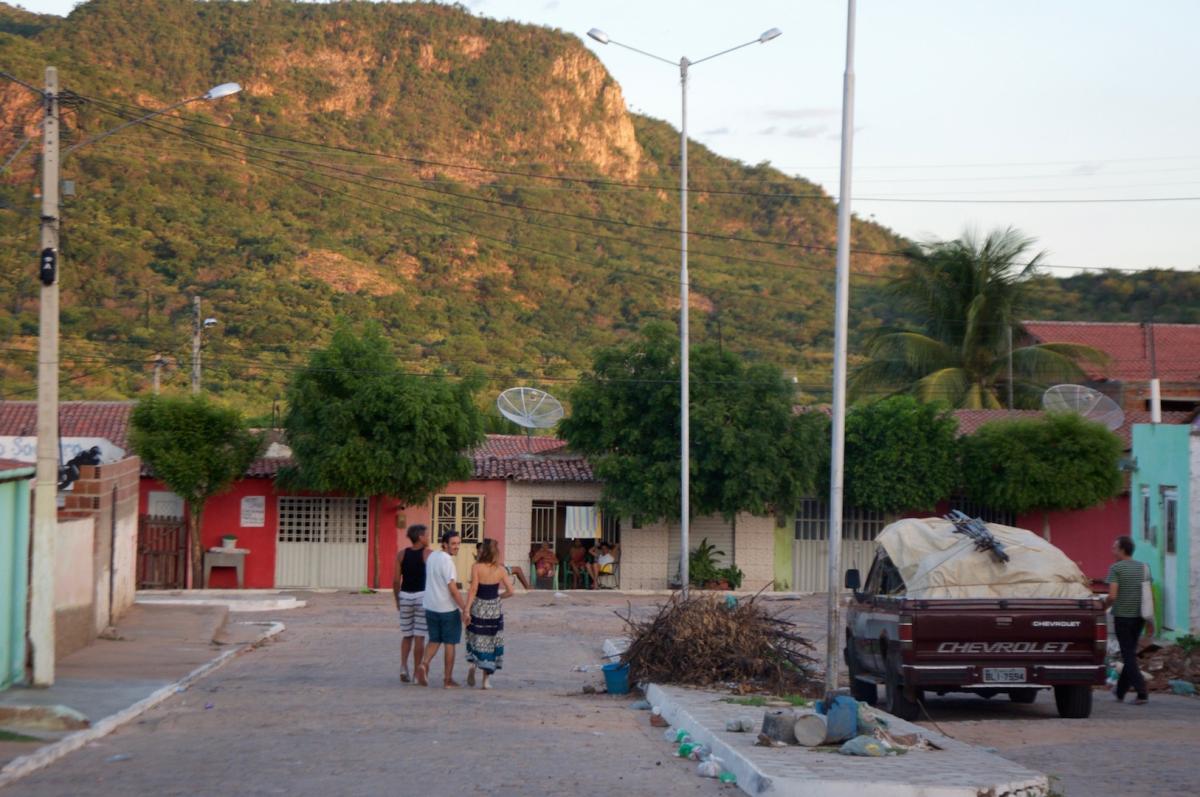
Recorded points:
(345, 275)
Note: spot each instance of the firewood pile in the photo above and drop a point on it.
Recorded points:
(705, 641)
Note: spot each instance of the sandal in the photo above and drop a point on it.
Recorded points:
(404, 677)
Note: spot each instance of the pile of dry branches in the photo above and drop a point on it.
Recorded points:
(701, 641)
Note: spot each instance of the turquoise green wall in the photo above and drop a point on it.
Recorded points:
(14, 567)
(783, 556)
(1161, 451)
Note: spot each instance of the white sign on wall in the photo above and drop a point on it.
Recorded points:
(24, 449)
(254, 511)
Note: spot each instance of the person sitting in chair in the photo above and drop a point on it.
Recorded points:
(544, 561)
(578, 564)
(605, 564)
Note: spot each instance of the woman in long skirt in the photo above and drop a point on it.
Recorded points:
(490, 584)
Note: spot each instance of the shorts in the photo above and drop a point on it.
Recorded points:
(412, 614)
(444, 627)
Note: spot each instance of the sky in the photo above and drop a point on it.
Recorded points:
(965, 100)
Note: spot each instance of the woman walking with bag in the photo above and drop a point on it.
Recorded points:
(485, 620)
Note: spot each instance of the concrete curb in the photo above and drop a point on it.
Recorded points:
(232, 604)
(750, 778)
(755, 781)
(24, 765)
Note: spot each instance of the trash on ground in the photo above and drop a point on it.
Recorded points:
(767, 741)
(1181, 687)
(669, 734)
(640, 705)
(658, 721)
(739, 725)
(700, 641)
(727, 777)
(866, 746)
(112, 759)
(780, 725)
(709, 768)
(1163, 664)
(561, 595)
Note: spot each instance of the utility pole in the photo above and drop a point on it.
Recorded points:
(45, 501)
(841, 316)
(197, 326)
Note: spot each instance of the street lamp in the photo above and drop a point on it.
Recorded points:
(684, 375)
(45, 510)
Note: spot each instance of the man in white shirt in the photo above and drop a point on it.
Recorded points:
(444, 608)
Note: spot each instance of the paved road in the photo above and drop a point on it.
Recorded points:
(1120, 751)
(321, 712)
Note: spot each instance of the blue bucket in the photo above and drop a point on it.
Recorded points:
(616, 678)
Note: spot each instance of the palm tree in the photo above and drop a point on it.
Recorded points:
(967, 294)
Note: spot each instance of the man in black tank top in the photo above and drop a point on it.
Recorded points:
(408, 588)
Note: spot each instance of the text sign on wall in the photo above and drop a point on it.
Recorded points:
(254, 511)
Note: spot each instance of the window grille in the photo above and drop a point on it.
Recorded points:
(460, 513)
(859, 525)
(321, 519)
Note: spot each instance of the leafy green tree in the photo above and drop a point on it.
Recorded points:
(967, 294)
(198, 449)
(359, 425)
(1060, 461)
(900, 454)
(750, 452)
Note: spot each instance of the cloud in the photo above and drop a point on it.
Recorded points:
(718, 131)
(802, 113)
(768, 131)
(838, 136)
(553, 4)
(1085, 170)
(810, 131)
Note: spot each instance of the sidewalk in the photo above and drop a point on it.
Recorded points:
(155, 651)
(956, 770)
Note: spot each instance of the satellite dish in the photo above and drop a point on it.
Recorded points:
(1085, 401)
(530, 407)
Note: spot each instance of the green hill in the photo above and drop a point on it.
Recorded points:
(476, 186)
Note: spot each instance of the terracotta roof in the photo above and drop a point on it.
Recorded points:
(13, 464)
(534, 459)
(106, 419)
(267, 467)
(1176, 347)
(970, 420)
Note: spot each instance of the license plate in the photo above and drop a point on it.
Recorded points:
(1004, 675)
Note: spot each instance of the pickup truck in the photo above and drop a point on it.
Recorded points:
(984, 646)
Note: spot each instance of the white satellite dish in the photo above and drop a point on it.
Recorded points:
(529, 407)
(1085, 401)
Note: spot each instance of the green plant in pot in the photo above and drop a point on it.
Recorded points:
(731, 575)
(702, 564)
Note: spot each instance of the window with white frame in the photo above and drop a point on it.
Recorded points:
(460, 513)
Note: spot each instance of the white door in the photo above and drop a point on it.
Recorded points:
(1170, 585)
(321, 542)
(859, 529)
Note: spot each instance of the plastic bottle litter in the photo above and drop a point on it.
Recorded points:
(685, 750)
(640, 705)
(700, 752)
(669, 734)
(727, 777)
(682, 736)
(709, 768)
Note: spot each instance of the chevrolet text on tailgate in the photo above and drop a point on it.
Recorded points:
(957, 605)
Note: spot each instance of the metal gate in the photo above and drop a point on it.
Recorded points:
(859, 529)
(161, 553)
(322, 542)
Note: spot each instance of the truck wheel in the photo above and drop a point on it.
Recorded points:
(898, 703)
(863, 691)
(1022, 695)
(1074, 702)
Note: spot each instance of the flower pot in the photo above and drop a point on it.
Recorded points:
(229, 541)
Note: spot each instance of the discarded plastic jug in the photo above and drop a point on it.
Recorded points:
(682, 736)
(700, 752)
(669, 735)
(727, 777)
(685, 750)
(709, 768)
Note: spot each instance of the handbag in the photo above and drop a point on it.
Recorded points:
(1147, 597)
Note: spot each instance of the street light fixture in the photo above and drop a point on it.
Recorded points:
(684, 375)
(41, 608)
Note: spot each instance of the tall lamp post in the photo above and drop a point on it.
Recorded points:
(841, 313)
(45, 509)
(684, 375)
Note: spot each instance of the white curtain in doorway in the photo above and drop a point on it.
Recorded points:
(583, 522)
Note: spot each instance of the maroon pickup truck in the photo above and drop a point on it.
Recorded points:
(981, 645)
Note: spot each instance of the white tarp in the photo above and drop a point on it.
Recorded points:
(935, 562)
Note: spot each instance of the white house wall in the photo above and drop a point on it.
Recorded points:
(1193, 520)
